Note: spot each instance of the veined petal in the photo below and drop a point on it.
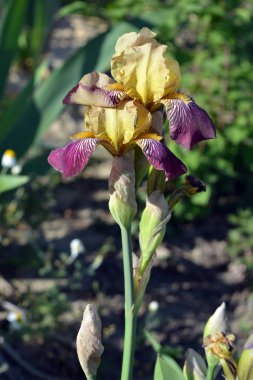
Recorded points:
(120, 124)
(92, 91)
(71, 159)
(142, 71)
(161, 158)
(189, 123)
(134, 39)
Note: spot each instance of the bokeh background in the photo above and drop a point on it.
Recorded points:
(46, 46)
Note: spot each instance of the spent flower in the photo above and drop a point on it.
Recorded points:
(88, 342)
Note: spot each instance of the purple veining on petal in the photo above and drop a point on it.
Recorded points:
(93, 96)
(71, 159)
(161, 158)
(67, 99)
(189, 123)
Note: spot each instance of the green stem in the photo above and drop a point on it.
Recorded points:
(130, 317)
(210, 372)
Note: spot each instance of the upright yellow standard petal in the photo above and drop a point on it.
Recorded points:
(173, 79)
(134, 39)
(144, 71)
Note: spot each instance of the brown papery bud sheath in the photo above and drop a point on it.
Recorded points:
(88, 342)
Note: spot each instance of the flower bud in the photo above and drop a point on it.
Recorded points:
(217, 322)
(194, 367)
(245, 366)
(88, 342)
(152, 226)
(122, 203)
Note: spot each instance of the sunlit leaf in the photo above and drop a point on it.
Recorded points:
(167, 369)
(10, 182)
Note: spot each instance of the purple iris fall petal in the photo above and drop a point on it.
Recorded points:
(161, 158)
(71, 159)
(189, 123)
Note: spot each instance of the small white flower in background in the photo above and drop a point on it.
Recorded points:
(153, 306)
(8, 159)
(16, 316)
(16, 169)
(76, 247)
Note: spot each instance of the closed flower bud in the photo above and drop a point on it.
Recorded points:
(88, 342)
(216, 324)
(122, 203)
(195, 366)
(152, 226)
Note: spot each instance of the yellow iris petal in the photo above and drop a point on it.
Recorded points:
(139, 64)
(119, 125)
(134, 39)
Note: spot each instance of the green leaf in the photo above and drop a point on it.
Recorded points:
(167, 369)
(194, 367)
(11, 25)
(10, 182)
(73, 8)
(40, 22)
(46, 104)
(153, 342)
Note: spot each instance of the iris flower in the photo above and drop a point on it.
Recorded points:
(122, 112)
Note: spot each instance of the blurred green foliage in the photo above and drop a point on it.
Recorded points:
(240, 236)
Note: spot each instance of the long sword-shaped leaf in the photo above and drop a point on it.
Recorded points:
(40, 23)
(11, 25)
